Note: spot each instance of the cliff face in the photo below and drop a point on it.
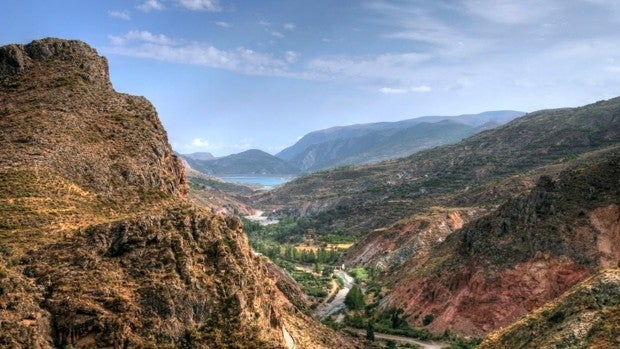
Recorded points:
(529, 251)
(98, 245)
(178, 277)
(59, 112)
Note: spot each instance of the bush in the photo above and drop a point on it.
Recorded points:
(360, 274)
(428, 319)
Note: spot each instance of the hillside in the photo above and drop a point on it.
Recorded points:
(249, 162)
(98, 245)
(200, 156)
(587, 316)
(378, 146)
(360, 199)
(530, 250)
(215, 194)
(371, 143)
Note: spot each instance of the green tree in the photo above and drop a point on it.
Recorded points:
(370, 331)
(317, 268)
(396, 317)
(428, 319)
(354, 300)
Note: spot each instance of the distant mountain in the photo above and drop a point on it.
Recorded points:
(200, 156)
(249, 162)
(375, 142)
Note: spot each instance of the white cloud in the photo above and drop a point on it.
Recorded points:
(223, 24)
(200, 143)
(289, 26)
(200, 5)
(291, 56)
(511, 11)
(124, 15)
(149, 5)
(387, 67)
(277, 34)
(145, 44)
(141, 35)
(613, 68)
(396, 91)
(393, 91)
(421, 89)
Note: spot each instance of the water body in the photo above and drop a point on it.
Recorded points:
(264, 182)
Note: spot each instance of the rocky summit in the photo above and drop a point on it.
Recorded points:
(98, 245)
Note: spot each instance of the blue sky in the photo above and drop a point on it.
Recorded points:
(229, 75)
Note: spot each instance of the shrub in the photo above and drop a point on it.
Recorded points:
(428, 318)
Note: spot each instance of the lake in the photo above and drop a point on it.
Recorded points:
(264, 182)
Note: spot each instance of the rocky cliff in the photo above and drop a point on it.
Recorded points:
(98, 245)
(60, 113)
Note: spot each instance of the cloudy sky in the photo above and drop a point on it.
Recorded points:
(229, 75)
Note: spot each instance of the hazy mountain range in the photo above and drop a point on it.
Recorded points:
(353, 145)
(375, 142)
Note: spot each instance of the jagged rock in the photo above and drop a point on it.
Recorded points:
(61, 114)
(92, 67)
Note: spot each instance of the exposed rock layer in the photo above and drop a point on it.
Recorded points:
(529, 251)
(587, 316)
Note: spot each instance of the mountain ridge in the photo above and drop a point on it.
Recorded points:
(99, 246)
(531, 248)
(249, 162)
(373, 142)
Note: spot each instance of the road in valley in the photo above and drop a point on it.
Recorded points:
(401, 339)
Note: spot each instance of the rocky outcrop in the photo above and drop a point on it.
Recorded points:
(98, 245)
(387, 249)
(180, 277)
(58, 112)
(92, 67)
